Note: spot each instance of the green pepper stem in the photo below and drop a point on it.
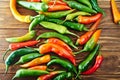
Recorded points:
(71, 44)
(78, 75)
(4, 54)
(72, 34)
(79, 51)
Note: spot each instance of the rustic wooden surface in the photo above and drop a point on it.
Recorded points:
(110, 40)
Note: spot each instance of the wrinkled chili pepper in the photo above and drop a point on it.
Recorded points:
(17, 15)
(85, 37)
(86, 2)
(50, 75)
(97, 64)
(41, 67)
(79, 6)
(88, 19)
(115, 12)
(67, 65)
(64, 38)
(50, 47)
(59, 28)
(11, 59)
(25, 37)
(27, 72)
(37, 61)
(28, 57)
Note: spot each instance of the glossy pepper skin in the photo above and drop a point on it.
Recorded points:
(59, 36)
(86, 2)
(25, 37)
(27, 72)
(41, 67)
(50, 47)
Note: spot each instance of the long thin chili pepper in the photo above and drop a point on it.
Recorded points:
(97, 64)
(64, 38)
(34, 0)
(17, 15)
(25, 37)
(37, 61)
(41, 67)
(115, 12)
(85, 37)
(59, 28)
(50, 47)
(88, 19)
(57, 2)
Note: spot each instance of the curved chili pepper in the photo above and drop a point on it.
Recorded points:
(27, 72)
(34, 0)
(37, 61)
(56, 2)
(25, 37)
(49, 76)
(66, 39)
(97, 64)
(50, 47)
(85, 37)
(41, 67)
(115, 12)
(88, 19)
(86, 2)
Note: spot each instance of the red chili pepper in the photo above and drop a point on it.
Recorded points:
(41, 67)
(34, 0)
(85, 37)
(58, 2)
(97, 64)
(50, 47)
(89, 19)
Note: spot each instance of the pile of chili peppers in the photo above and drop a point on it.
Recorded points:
(56, 47)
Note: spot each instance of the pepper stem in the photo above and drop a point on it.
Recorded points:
(78, 75)
(71, 44)
(79, 51)
(72, 34)
(4, 54)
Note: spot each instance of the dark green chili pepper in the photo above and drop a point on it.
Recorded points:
(33, 5)
(28, 57)
(79, 6)
(59, 28)
(95, 6)
(12, 58)
(64, 76)
(27, 72)
(69, 66)
(66, 39)
(69, 24)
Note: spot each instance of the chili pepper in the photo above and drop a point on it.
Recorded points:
(83, 66)
(69, 24)
(17, 15)
(96, 7)
(25, 37)
(34, 0)
(50, 47)
(28, 57)
(67, 65)
(50, 75)
(56, 2)
(58, 14)
(85, 37)
(59, 28)
(115, 12)
(37, 61)
(11, 59)
(97, 64)
(86, 2)
(79, 6)
(64, 38)
(89, 46)
(88, 19)
(64, 76)
(15, 46)
(27, 72)
(36, 21)
(41, 67)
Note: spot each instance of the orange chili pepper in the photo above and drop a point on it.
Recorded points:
(115, 11)
(41, 67)
(34, 0)
(58, 2)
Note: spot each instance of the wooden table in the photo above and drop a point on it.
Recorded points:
(109, 39)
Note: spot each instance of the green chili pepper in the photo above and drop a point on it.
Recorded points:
(69, 66)
(25, 37)
(28, 57)
(12, 58)
(83, 66)
(69, 24)
(59, 28)
(66, 39)
(64, 76)
(95, 6)
(58, 14)
(33, 5)
(79, 6)
(36, 21)
(27, 72)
